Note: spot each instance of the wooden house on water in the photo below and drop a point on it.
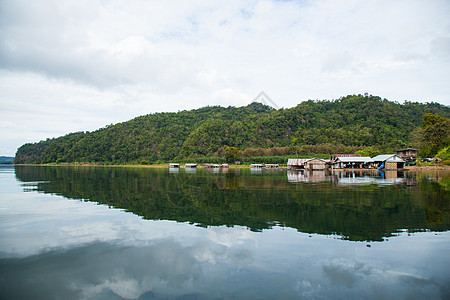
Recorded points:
(272, 166)
(408, 154)
(315, 164)
(212, 166)
(306, 163)
(257, 166)
(190, 165)
(296, 163)
(336, 156)
(351, 162)
(389, 161)
(174, 165)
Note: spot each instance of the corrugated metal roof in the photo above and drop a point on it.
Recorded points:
(315, 158)
(297, 161)
(301, 161)
(382, 157)
(396, 158)
(334, 156)
(361, 159)
(388, 158)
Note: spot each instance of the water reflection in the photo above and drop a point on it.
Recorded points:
(174, 170)
(53, 247)
(368, 177)
(256, 170)
(354, 206)
(167, 269)
(348, 177)
(107, 271)
(190, 170)
(296, 176)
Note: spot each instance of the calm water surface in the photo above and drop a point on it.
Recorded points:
(134, 233)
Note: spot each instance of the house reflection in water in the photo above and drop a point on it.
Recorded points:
(190, 170)
(352, 177)
(306, 176)
(256, 170)
(368, 177)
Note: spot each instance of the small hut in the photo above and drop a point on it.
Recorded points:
(408, 154)
(315, 164)
(211, 166)
(272, 166)
(257, 166)
(296, 163)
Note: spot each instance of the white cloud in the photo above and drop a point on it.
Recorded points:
(106, 62)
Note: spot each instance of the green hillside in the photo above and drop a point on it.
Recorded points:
(346, 124)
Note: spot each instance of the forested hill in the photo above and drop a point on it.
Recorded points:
(350, 122)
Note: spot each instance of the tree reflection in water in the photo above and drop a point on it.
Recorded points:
(356, 206)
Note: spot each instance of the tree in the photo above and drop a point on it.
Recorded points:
(430, 120)
(231, 154)
(444, 154)
(435, 135)
(369, 151)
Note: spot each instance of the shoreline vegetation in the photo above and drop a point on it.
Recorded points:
(428, 167)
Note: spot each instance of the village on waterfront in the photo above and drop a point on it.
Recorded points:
(400, 160)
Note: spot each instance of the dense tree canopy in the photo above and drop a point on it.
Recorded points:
(231, 154)
(435, 134)
(346, 124)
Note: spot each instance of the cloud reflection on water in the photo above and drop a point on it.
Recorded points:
(92, 270)
(196, 267)
(52, 247)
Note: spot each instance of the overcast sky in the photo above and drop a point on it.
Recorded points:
(72, 65)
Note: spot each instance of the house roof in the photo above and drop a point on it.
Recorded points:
(315, 158)
(361, 159)
(301, 161)
(345, 155)
(388, 158)
(297, 161)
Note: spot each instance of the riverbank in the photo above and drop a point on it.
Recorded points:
(428, 168)
(125, 166)
(408, 168)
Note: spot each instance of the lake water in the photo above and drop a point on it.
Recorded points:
(141, 233)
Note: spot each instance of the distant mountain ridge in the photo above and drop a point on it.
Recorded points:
(353, 121)
(6, 158)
